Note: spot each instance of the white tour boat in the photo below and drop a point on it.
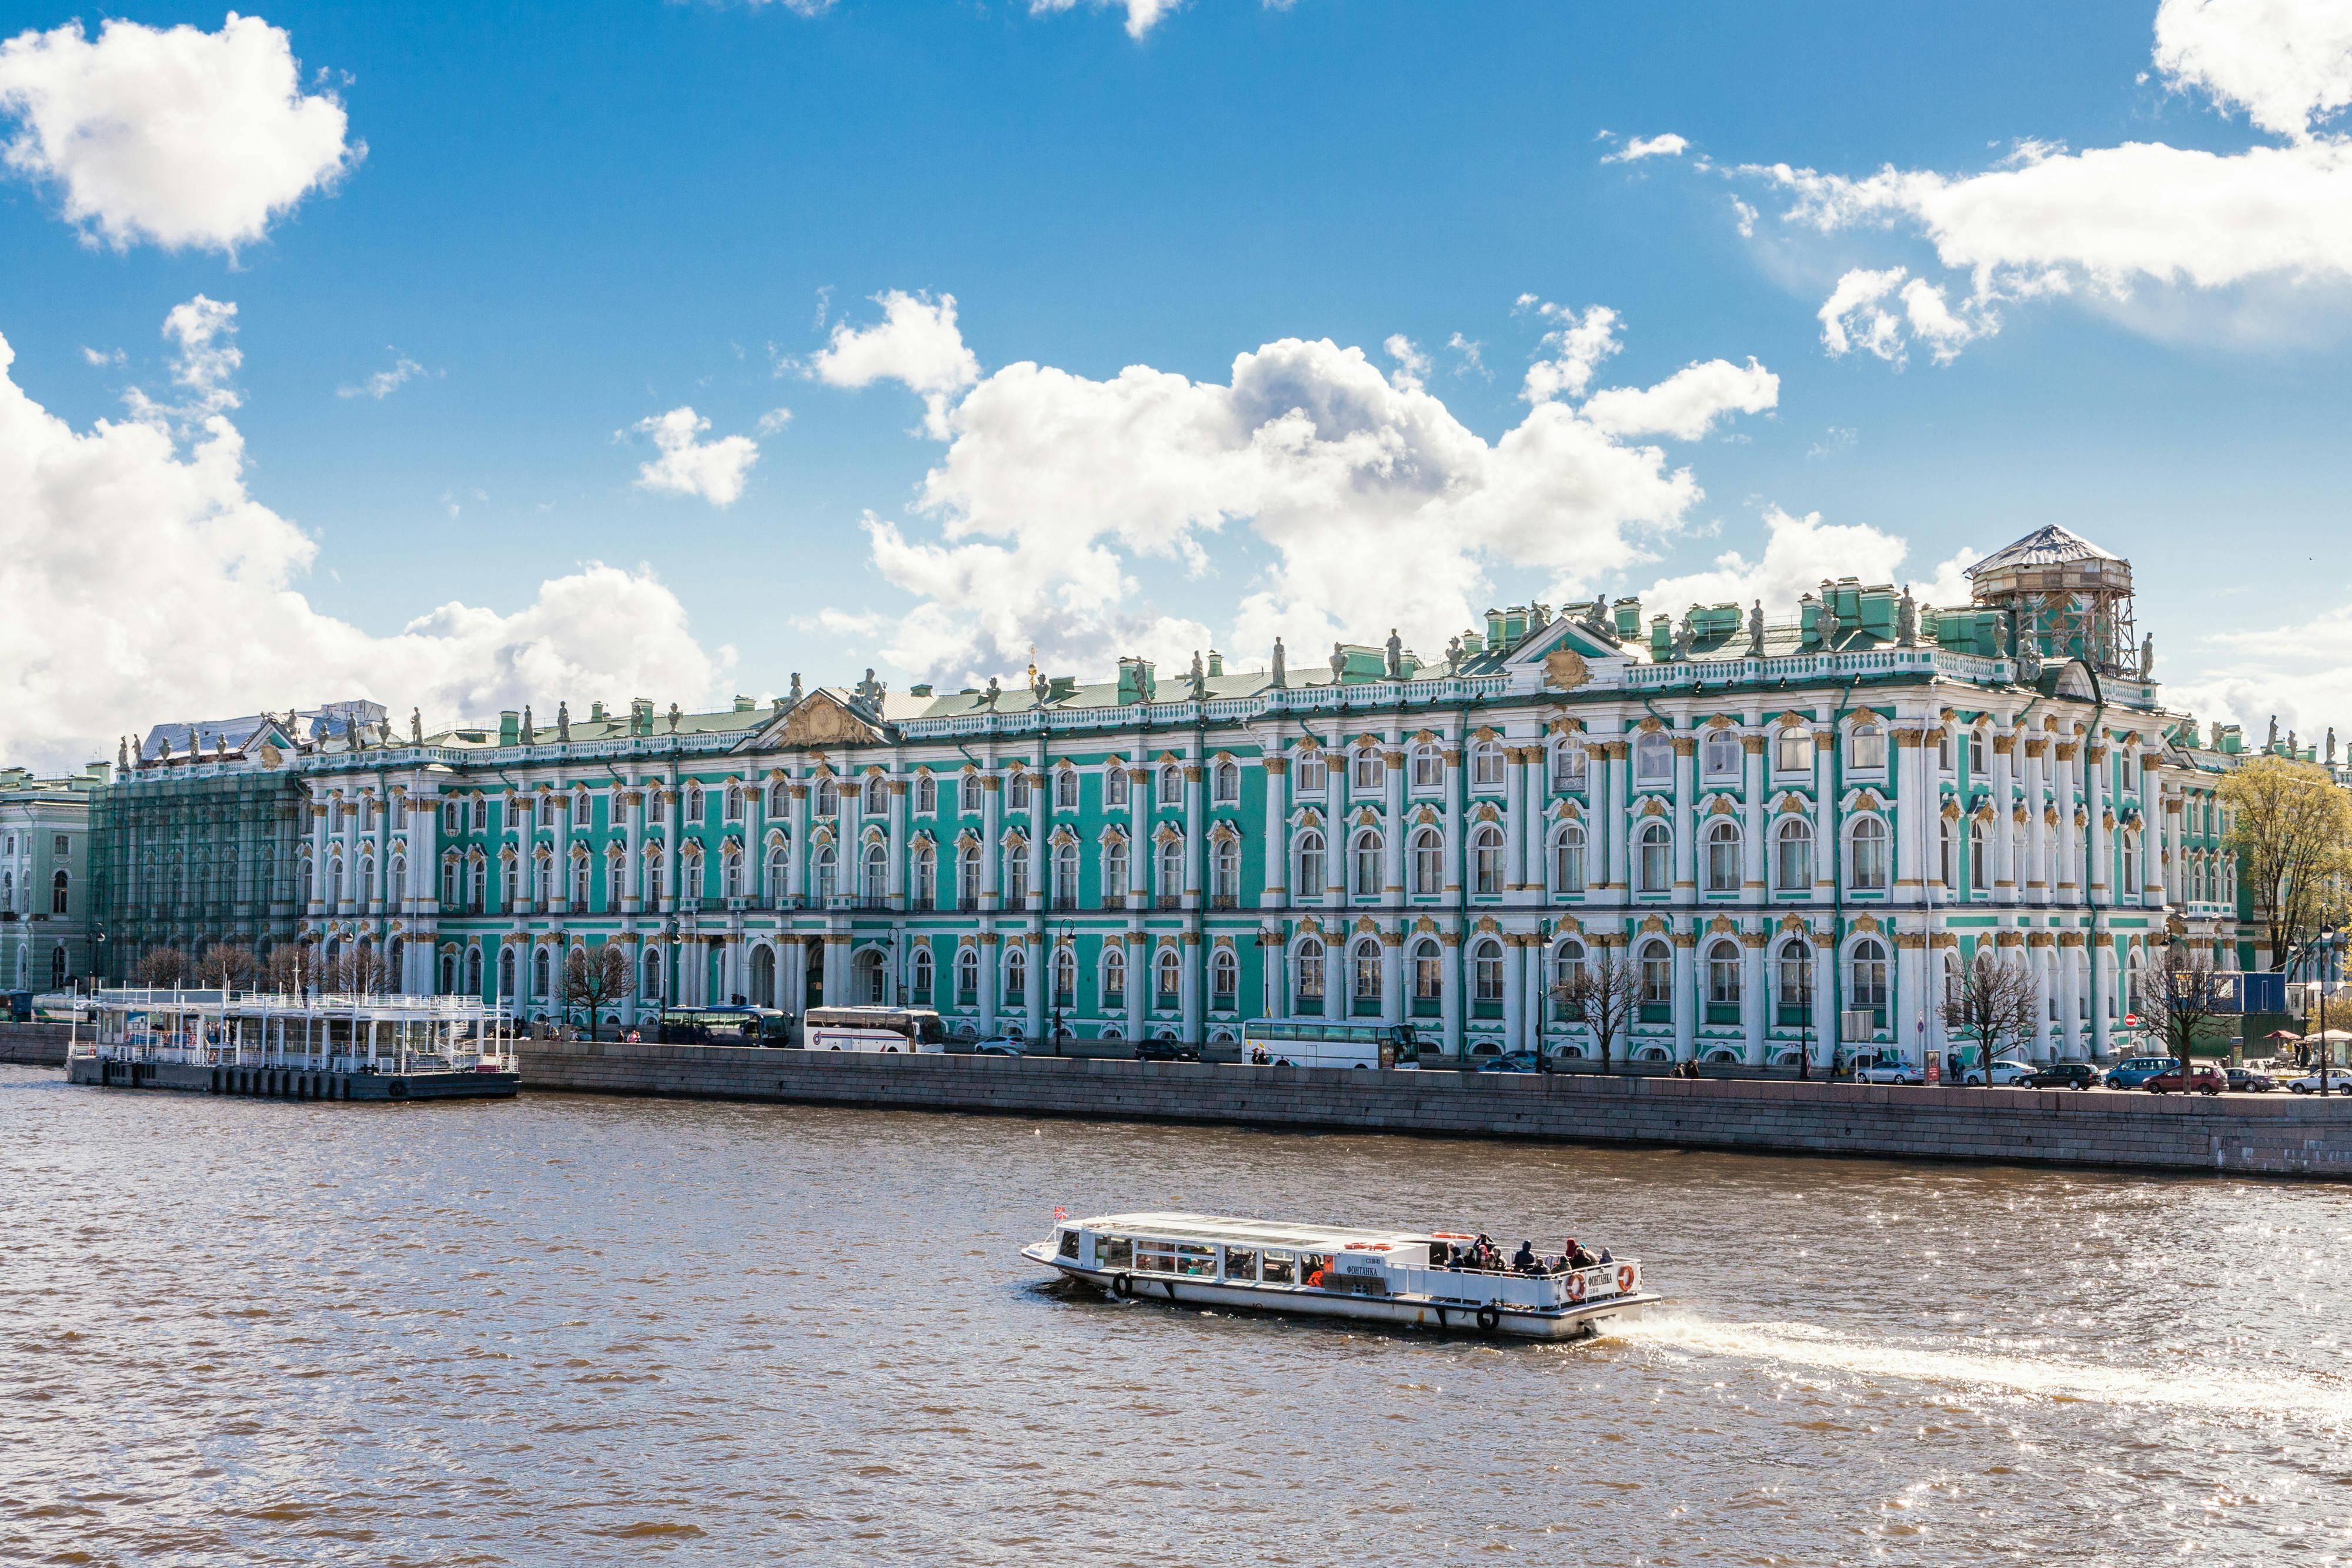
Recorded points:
(1410, 1278)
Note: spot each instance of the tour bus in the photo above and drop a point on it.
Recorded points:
(724, 1025)
(877, 1028)
(1330, 1042)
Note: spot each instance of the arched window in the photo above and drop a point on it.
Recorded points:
(968, 876)
(1486, 972)
(1016, 879)
(1867, 847)
(444, 975)
(653, 980)
(1795, 973)
(921, 974)
(1723, 974)
(473, 971)
(1867, 984)
(1656, 857)
(828, 797)
(1428, 766)
(1977, 878)
(1226, 788)
(1428, 847)
(779, 799)
(540, 973)
(1487, 860)
(1719, 755)
(60, 893)
(973, 791)
(1947, 849)
(1065, 977)
(1364, 969)
(877, 795)
(1723, 856)
(1016, 977)
(1428, 972)
(1115, 784)
(827, 869)
(581, 878)
(1307, 971)
(734, 804)
(877, 872)
(1225, 870)
(1114, 973)
(1066, 875)
(1171, 868)
(2131, 864)
(1567, 858)
(1224, 977)
(927, 795)
(776, 863)
(1370, 772)
(1171, 784)
(693, 803)
(1114, 871)
(1566, 960)
(1869, 749)
(1169, 972)
(1657, 964)
(1486, 764)
(1310, 866)
(1568, 763)
(1017, 792)
(1792, 750)
(1368, 863)
(1065, 788)
(1653, 758)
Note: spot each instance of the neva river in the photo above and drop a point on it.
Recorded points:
(572, 1330)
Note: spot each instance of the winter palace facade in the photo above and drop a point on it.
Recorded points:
(1794, 829)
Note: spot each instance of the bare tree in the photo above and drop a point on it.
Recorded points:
(2181, 1001)
(291, 968)
(2291, 828)
(162, 969)
(1993, 1002)
(1602, 995)
(595, 977)
(358, 971)
(226, 966)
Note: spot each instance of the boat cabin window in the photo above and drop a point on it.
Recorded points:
(1114, 1253)
(1314, 1265)
(1241, 1263)
(1281, 1269)
(1068, 1246)
(1155, 1257)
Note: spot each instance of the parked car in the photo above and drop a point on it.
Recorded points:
(2247, 1080)
(2200, 1080)
(1165, 1050)
(2133, 1071)
(1887, 1070)
(2065, 1075)
(2008, 1073)
(1511, 1061)
(1000, 1045)
(2339, 1081)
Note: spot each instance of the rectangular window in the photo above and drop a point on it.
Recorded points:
(1240, 1264)
(1278, 1269)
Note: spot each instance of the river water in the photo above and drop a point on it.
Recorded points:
(576, 1330)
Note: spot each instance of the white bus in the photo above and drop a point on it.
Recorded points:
(876, 1029)
(1328, 1042)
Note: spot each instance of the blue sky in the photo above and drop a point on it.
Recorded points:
(571, 221)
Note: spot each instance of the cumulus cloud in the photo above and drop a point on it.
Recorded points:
(1686, 403)
(384, 383)
(774, 420)
(171, 136)
(1576, 344)
(1063, 507)
(689, 465)
(145, 583)
(1411, 365)
(1799, 553)
(917, 342)
(1637, 148)
(2300, 670)
(2105, 223)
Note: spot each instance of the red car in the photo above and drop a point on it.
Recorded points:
(2204, 1080)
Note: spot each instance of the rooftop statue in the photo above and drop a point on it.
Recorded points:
(416, 726)
(2147, 657)
(1453, 655)
(987, 696)
(2273, 734)
(531, 730)
(562, 720)
(1281, 666)
(1826, 623)
(795, 696)
(674, 716)
(1394, 667)
(1338, 664)
(1756, 630)
(1906, 620)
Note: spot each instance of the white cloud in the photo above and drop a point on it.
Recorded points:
(1799, 552)
(1577, 343)
(1142, 15)
(916, 342)
(172, 136)
(2301, 672)
(2108, 224)
(1687, 403)
(2287, 63)
(204, 334)
(1066, 507)
(384, 383)
(103, 357)
(687, 466)
(774, 420)
(146, 584)
(1468, 349)
(1637, 148)
(1412, 365)
(799, 7)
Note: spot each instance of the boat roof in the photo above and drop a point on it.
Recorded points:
(1232, 1230)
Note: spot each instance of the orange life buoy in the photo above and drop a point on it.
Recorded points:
(1576, 1287)
(1625, 1278)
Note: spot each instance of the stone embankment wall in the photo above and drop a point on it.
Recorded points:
(35, 1044)
(2277, 1135)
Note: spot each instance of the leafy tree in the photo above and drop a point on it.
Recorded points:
(1993, 1002)
(595, 977)
(2291, 828)
(1602, 995)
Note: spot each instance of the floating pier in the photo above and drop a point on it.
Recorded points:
(290, 1047)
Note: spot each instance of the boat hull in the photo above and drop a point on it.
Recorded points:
(1400, 1312)
(290, 1082)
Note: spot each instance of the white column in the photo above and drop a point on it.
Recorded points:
(991, 848)
(2038, 890)
(1752, 870)
(1141, 852)
(1335, 862)
(319, 820)
(1828, 854)
(1688, 1001)
(1141, 979)
(1825, 1018)
(1392, 984)
(2002, 841)
(2066, 884)
(1041, 967)
(1196, 829)
(1915, 816)
(798, 867)
(1754, 995)
(897, 828)
(1451, 1011)
(1685, 819)
(2105, 979)
(632, 801)
(2045, 986)
(1515, 1023)
(1275, 888)
(1620, 879)
(2095, 808)
(1455, 849)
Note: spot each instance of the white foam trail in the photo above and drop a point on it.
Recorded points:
(2204, 1387)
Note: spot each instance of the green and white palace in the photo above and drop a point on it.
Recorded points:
(1788, 823)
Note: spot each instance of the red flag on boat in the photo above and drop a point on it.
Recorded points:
(1060, 1213)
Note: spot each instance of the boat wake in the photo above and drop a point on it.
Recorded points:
(2320, 1393)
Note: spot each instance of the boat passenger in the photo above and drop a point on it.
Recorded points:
(1578, 1257)
(1524, 1260)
